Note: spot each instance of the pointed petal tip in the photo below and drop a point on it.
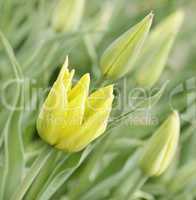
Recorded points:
(108, 90)
(64, 69)
(175, 115)
(66, 63)
(174, 119)
(109, 87)
(85, 79)
(71, 73)
(146, 23)
(175, 112)
(151, 15)
(67, 59)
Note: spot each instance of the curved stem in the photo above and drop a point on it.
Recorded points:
(138, 183)
(17, 72)
(130, 185)
(33, 172)
(15, 65)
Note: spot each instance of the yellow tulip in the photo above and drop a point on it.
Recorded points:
(161, 148)
(69, 118)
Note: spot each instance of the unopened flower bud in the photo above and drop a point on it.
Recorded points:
(67, 15)
(161, 148)
(119, 58)
(156, 50)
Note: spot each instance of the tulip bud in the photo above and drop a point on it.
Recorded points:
(69, 118)
(156, 50)
(161, 148)
(119, 57)
(67, 15)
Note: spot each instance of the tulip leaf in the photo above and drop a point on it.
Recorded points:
(99, 190)
(44, 173)
(32, 173)
(12, 134)
(63, 174)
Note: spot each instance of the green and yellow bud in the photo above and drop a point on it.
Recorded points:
(67, 15)
(161, 148)
(69, 118)
(156, 50)
(119, 58)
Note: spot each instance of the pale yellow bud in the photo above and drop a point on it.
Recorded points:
(161, 148)
(67, 15)
(119, 58)
(156, 50)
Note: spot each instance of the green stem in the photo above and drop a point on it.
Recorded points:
(121, 119)
(130, 185)
(33, 172)
(139, 182)
(15, 65)
(96, 154)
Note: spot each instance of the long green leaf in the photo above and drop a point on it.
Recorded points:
(32, 173)
(62, 176)
(13, 147)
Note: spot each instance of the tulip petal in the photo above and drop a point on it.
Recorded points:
(53, 112)
(76, 107)
(97, 99)
(89, 131)
(95, 121)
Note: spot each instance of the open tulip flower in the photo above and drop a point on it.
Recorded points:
(70, 119)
